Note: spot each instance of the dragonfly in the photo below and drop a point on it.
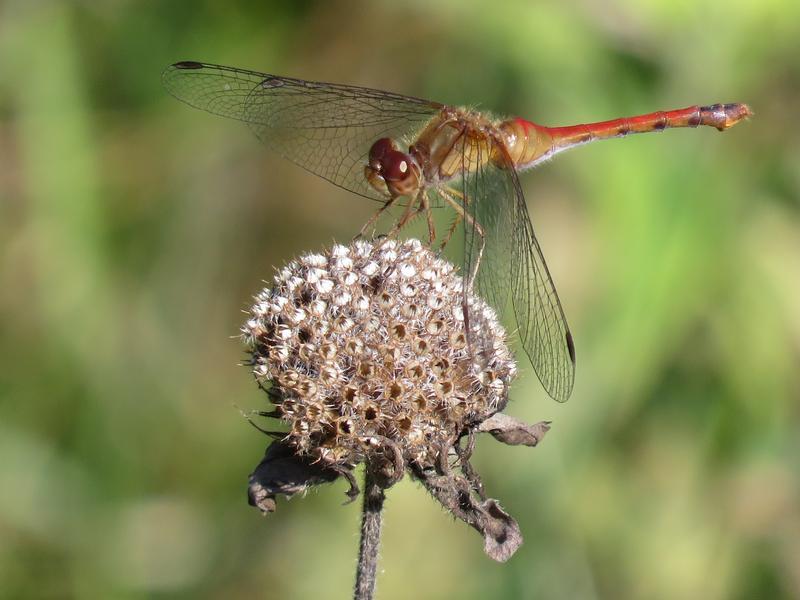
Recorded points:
(419, 154)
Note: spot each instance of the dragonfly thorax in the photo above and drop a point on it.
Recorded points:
(391, 171)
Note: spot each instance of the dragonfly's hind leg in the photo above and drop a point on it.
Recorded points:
(450, 232)
(426, 206)
(462, 214)
(458, 218)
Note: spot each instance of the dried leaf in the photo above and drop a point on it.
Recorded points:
(501, 534)
(283, 472)
(513, 432)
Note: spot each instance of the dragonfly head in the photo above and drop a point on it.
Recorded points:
(391, 171)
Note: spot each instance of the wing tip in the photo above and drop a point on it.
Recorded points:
(563, 392)
(562, 398)
(171, 73)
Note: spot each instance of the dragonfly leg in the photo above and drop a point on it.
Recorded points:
(461, 213)
(426, 206)
(469, 278)
(409, 213)
(450, 232)
(374, 218)
(457, 219)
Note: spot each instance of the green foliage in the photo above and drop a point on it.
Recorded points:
(133, 231)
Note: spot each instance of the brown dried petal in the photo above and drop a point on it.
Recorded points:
(501, 534)
(281, 471)
(513, 432)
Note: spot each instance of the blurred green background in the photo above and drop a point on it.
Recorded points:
(134, 231)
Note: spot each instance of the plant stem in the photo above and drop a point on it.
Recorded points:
(371, 517)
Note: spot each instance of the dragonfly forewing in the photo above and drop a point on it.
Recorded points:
(325, 128)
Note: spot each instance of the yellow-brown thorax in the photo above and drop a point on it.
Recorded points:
(454, 142)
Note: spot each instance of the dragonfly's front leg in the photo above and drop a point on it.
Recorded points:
(418, 201)
(406, 217)
(374, 218)
(477, 264)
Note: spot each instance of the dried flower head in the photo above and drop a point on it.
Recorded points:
(365, 347)
(365, 354)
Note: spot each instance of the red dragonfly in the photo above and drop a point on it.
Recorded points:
(393, 148)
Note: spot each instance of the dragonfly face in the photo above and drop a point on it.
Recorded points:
(392, 172)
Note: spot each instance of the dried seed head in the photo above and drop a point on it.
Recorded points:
(366, 345)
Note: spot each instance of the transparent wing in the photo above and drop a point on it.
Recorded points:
(512, 260)
(488, 222)
(325, 128)
(542, 325)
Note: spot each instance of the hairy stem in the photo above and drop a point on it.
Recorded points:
(371, 517)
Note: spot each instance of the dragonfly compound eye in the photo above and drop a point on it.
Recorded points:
(396, 166)
(400, 172)
(380, 148)
(390, 171)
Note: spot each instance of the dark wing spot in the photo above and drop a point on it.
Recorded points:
(571, 347)
(188, 64)
(271, 82)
